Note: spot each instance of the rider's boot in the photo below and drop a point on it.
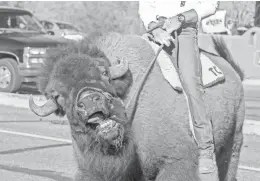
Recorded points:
(207, 166)
(207, 162)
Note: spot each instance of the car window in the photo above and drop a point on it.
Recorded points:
(19, 21)
(66, 26)
(9, 21)
(48, 25)
(42, 22)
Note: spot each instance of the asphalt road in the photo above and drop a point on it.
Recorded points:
(252, 97)
(28, 158)
(24, 158)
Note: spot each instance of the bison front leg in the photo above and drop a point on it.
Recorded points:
(184, 170)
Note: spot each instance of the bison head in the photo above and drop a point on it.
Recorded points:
(80, 86)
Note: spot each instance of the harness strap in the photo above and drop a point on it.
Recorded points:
(106, 94)
(133, 101)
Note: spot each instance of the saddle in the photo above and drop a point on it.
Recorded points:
(211, 73)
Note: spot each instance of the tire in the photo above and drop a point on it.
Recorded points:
(9, 64)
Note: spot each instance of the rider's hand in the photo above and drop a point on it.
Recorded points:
(172, 24)
(162, 37)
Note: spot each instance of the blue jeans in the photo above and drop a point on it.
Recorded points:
(189, 66)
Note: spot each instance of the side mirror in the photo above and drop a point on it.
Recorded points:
(50, 32)
(252, 35)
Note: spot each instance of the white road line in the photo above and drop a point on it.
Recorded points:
(242, 167)
(35, 136)
(252, 122)
(251, 128)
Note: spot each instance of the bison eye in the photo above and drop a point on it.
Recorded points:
(105, 73)
(81, 105)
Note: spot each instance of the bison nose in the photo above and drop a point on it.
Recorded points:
(92, 125)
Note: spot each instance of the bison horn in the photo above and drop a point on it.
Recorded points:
(119, 70)
(45, 110)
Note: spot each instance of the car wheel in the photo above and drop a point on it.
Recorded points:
(10, 80)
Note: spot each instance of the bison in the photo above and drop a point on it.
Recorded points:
(91, 82)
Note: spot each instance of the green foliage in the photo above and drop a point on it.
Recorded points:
(116, 16)
(241, 12)
(92, 16)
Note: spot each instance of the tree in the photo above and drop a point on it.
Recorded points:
(257, 13)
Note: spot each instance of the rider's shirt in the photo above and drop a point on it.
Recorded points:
(149, 10)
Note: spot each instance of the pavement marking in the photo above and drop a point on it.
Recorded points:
(242, 167)
(252, 122)
(251, 127)
(35, 136)
(255, 169)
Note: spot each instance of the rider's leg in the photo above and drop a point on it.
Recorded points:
(190, 74)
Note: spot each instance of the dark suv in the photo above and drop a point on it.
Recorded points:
(23, 44)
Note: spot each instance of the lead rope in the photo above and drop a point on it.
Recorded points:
(133, 101)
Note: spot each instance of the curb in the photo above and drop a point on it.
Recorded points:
(20, 100)
(251, 82)
(251, 127)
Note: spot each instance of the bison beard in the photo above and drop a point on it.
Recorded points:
(100, 156)
(94, 164)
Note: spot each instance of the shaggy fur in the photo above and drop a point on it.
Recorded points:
(58, 53)
(70, 69)
(84, 47)
(161, 125)
(159, 146)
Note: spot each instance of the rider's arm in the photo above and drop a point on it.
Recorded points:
(200, 11)
(147, 12)
(205, 9)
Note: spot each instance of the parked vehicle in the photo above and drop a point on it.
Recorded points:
(63, 29)
(215, 24)
(23, 44)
